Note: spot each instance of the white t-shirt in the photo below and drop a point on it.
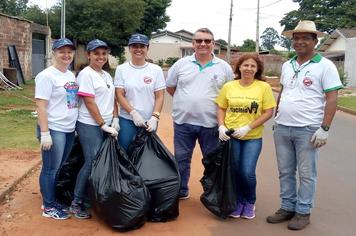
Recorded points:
(60, 90)
(139, 83)
(302, 100)
(196, 89)
(99, 86)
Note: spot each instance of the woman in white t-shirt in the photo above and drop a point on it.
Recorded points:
(139, 89)
(97, 111)
(57, 108)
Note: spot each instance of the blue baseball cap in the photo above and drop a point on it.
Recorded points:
(139, 38)
(96, 43)
(58, 43)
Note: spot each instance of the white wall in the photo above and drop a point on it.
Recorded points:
(350, 61)
(338, 45)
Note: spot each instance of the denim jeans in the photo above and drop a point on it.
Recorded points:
(127, 132)
(295, 152)
(52, 161)
(245, 154)
(91, 138)
(185, 136)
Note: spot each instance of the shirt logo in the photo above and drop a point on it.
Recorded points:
(307, 81)
(147, 80)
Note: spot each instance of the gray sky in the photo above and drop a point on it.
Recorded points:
(214, 14)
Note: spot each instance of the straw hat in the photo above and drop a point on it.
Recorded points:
(304, 26)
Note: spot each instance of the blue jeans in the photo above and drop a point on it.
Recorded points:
(52, 161)
(91, 138)
(185, 137)
(295, 152)
(245, 155)
(127, 132)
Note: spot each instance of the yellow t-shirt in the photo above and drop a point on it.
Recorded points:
(245, 104)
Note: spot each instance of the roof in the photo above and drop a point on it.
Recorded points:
(344, 33)
(172, 34)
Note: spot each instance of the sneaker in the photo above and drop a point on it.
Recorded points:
(184, 196)
(237, 213)
(79, 211)
(248, 211)
(55, 213)
(299, 221)
(280, 216)
(64, 208)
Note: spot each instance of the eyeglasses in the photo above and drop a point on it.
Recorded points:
(206, 41)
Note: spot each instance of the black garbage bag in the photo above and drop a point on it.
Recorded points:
(159, 171)
(218, 181)
(67, 175)
(116, 190)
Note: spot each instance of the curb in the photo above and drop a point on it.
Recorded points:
(4, 194)
(339, 108)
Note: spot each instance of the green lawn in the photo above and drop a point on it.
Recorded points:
(348, 102)
(17, 126)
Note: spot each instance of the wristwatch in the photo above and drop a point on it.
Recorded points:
(325, 127)
(156, 114)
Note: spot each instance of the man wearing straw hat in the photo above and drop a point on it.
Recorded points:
(306, 107)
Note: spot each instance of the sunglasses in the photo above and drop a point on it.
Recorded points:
(206, 41)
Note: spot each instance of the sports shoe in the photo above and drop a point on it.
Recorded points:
(64, 208)
(55, 213)
(184, 196)
(237, 213)
(79, 211)
(299, 221)
(280, 216)
(248, 211)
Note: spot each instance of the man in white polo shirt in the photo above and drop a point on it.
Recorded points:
(194, 82)
(306, 107)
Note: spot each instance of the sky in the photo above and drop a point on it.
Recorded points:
(214, 14)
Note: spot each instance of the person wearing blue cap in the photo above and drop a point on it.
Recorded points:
(57, 107)
(97, 116)
(140, 88)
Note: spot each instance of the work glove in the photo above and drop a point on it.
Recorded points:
(137, 119)
(115, 124)
(112, 131)
(222, 133)
(46, 141)
(241, 132)
(319, 138)
(152, 124)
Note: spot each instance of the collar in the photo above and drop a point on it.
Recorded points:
(316, 58)
(210, 63)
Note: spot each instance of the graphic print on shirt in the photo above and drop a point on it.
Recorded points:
(72, 94)
(147, 80)
(307, 81)
(252, 108)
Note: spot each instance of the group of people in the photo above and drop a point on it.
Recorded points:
(209, 99)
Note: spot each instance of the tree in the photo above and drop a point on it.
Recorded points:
(221, 42)
(269, 38)
(285, 42)
(327, 15)
(13, 7)
(248, 46)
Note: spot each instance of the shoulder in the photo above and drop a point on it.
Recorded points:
(155, 67)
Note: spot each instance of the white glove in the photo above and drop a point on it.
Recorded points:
(222, 133)
(112, 131)
(152, 124)
(241, 132)
(115, 123)
(137, 119)
(319, 138)
(46, 141)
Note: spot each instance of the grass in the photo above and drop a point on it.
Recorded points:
(17, 126)
(348, 102)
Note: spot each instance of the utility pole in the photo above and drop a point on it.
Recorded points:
(258, 27)
(228, 54)
(63, 19)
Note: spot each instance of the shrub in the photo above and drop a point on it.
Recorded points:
(343, 76)
(171, 60)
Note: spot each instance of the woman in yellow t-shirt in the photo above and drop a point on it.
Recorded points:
(244, 105)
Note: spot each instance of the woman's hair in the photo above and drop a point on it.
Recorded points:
(256, 58)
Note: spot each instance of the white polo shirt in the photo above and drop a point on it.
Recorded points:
(139, 83)
(60, 90)
(196, 89)
(99, 86)
(302, 100)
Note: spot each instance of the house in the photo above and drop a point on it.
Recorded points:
(167, 44)
(340, 47)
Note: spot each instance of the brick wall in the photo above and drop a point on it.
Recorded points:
(15, 31)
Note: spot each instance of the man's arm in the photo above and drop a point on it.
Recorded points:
(171, 90)
(330, 107)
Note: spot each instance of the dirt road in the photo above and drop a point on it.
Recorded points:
(21, 215)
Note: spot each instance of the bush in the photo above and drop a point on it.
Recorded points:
(343, 76)
(160, 62)
(171, 60)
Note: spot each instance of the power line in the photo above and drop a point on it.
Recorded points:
(268, 5)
